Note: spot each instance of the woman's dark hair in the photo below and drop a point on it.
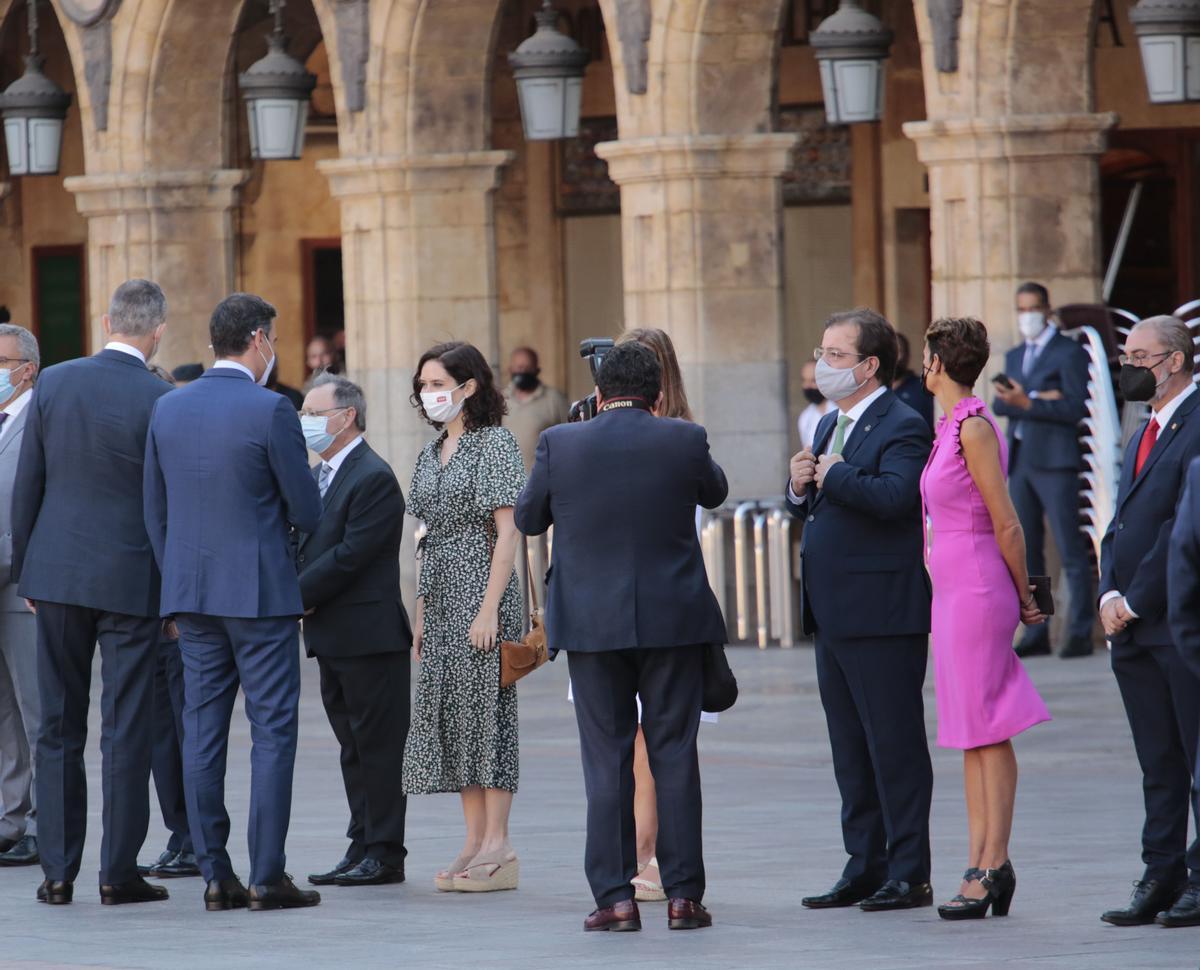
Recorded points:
(905, 354)
(464, 362)
(961, 344)
(876, 338)
(630, 369)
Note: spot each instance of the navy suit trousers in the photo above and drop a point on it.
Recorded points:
(166, 762)
(67, 637)
(263, 656)
(606, 685)
(871, 691)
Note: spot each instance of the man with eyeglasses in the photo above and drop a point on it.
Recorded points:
(20, 706)
(1160, 692)
(865, 596)
(1043, 393)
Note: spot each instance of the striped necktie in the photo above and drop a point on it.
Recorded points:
(324, 477)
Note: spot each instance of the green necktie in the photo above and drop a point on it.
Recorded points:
(839, 437)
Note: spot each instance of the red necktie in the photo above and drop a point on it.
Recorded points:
(1145, 446)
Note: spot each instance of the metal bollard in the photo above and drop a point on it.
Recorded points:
(761, 580)
(782, 585)
(742, 552)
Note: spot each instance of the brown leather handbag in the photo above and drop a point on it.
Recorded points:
(521, 657)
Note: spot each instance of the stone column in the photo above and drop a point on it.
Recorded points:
(702, 238)
(1012, 198)
(419, 267)
(175, 228)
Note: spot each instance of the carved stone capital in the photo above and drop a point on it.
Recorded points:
(398, 174)
(955, 140)
(119, 193)
(698, 156)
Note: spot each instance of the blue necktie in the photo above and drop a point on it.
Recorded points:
(324, 477)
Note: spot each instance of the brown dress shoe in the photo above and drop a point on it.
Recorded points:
(622, 917)
(687, 914)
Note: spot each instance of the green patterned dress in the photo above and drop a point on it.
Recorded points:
(464, 725)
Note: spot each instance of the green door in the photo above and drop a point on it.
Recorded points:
(58, 296)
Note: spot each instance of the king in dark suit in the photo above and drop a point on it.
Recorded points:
(866, 598)
(1160, 692)
(82, 556)
(226, 476)
(356, 626)
(1048, 399)
(629, 601)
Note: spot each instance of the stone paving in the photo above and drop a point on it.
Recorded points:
(771, 835)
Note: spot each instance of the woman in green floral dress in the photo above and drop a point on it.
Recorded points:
(463, 736)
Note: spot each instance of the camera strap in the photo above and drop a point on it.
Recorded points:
(624, 403)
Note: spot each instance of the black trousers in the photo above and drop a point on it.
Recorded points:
(871, 692)
(1162, 701)
(67, 637)
(166, 758)
(606, 686)
(367, 701)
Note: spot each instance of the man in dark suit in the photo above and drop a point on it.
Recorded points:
(226, 475)
(858, 492)
(1161, 695)
(81, 556)
(1044, 405)
(629, 601)
(356, 626)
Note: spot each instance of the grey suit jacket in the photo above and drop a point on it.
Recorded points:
(10, 452)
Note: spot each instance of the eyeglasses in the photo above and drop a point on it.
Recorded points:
(5, 361)
(1139, 358)
(834, 357)
(308, 413)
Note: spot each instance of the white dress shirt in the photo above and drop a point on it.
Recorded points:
(854, 414)
(807, 423)
(233, 365)
(125, 349)
(334, 463)
(14, 408)
(1162, 417)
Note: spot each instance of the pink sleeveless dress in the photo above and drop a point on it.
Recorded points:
(984, 695)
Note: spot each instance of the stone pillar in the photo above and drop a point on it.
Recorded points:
(1012, 198)
(702, 238)
(175, 228)
(419, 267)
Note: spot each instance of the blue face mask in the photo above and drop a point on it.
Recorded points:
(6, 384)
(316, 432)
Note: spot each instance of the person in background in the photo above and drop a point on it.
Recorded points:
(295, 398)
(1161, 694)
(463, 736)
(338, 339)
(20, 705)
(319, 355)
(82, 557)
(5, 315)
(532, 406)
(186, 373)
(817, 407)
(1044, 399)
(178, 859)
(907, 385)
(981, 589)
(356, 626)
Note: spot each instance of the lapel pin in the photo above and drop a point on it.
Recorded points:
(866, 429)
(1174, 425)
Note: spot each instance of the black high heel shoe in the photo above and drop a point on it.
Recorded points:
(1000, 884)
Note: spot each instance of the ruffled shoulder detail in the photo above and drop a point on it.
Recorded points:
(968, 407)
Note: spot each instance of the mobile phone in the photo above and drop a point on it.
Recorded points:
(1003, 381)
(1043, 597)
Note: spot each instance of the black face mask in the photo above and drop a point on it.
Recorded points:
(813, 395)
(1137, 383)
(526, 380)
(924, 377)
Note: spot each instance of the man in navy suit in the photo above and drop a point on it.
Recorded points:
(226, 475)
(82, 558)
(629, 601)
(865, 595)
(1044, 405)
(1161, 695)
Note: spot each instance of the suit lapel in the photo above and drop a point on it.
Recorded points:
(343, 473)
(821, 442)
(14, 432)
(1166, 438)
(866, 424)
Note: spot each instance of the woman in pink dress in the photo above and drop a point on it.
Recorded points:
(976, 556)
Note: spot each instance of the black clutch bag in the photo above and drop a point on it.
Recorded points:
(720, 686)
(1042, 596)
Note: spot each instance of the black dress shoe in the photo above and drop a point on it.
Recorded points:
(326, 878)
(164, 857)
(843, 893)
(24, 853)
(895, 894)
(1185, 912)
(370, 872)
(137, 890)
(1033, 647)
(6, 844)
(1076, 647)
(178, 866)
(282, 895)
(1150, 897)
(56, 892)
(223, 894)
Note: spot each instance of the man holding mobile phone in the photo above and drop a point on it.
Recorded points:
(1043, 393)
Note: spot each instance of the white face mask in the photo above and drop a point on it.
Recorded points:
(1031, 323)
(837, 383)
(268, 365)
(440, 406)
